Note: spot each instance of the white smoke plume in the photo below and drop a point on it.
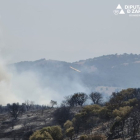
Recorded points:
(19, 87)
(6, 94)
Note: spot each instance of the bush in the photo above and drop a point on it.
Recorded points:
(92, 110)
(118, 119)
(127, 97)
(62, 114)
(70, 132)
(131, 102)
(77, 122)
(105, 113)
(48, 133)
(83, 137)
(54, 131)
(68, 124)
(122, 111)
(93, 137)
(86, 118)
(40, 136)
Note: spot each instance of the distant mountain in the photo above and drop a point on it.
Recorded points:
(120, 71)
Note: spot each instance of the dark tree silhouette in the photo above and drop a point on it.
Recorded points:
(76, 99)
(52, 102)
(14, 110)
(96, 97)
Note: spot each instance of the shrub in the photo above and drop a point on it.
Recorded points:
(93, 137)
(87, 117)
(48, 133)
(118, 119)
(77, 122)
(40, 136)
(62, 114)
(129, 97)
(54, 131)
(70, 132)
(68, 124)
(83, 137)
(92, 109)
(105, 113)
(131, 102)
(122, 111)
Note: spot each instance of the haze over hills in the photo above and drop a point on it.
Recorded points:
(109, 71)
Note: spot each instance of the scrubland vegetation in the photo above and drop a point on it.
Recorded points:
(79, 117)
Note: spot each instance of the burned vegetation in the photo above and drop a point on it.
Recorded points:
(75, 118)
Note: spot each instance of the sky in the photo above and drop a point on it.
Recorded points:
(66, 30)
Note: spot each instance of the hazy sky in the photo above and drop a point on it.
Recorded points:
(68, 30)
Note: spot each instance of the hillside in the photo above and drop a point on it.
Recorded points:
(120, 71)
(116, 119)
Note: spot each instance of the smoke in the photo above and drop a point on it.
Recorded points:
(4, 76)
(15, 87)
(6, 94)
(29, 85)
